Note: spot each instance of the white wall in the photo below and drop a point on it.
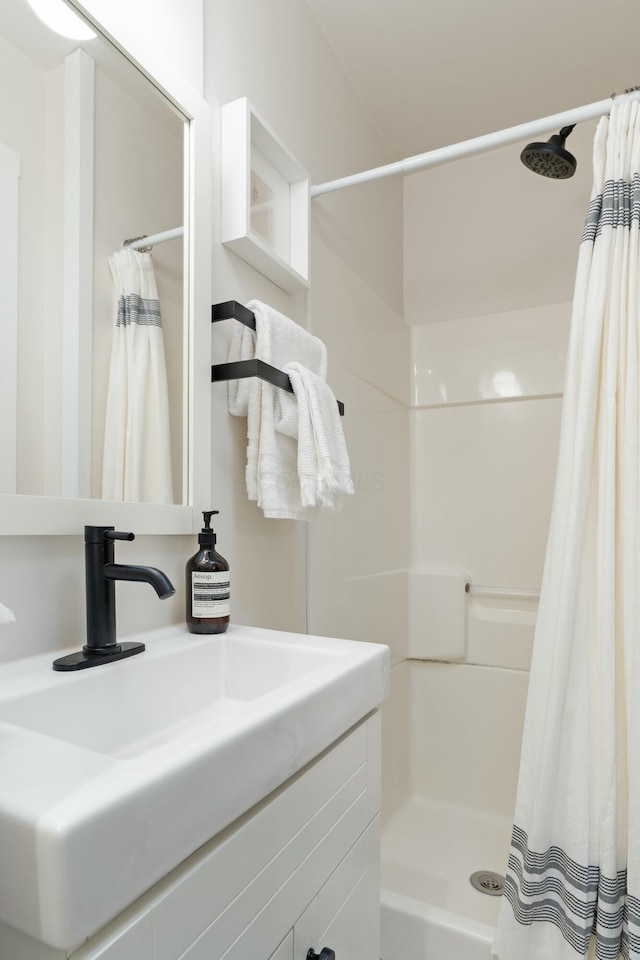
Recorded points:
(484, 235)
(276, 55)
(355, 305)
(167, 29)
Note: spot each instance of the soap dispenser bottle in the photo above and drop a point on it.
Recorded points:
(207, 584)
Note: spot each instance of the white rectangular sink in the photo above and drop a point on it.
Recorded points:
(111, 777)
(150, 700)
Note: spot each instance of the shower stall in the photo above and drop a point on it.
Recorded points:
(466, 456)
(482, 475)
(479, 470)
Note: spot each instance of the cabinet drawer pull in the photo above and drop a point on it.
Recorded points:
(325, 954)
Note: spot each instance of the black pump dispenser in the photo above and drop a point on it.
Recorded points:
(207, 536)
(207, 584)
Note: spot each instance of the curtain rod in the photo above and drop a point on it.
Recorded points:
(483, 144)
(144, 243)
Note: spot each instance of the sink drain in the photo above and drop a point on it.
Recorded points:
(486, 881)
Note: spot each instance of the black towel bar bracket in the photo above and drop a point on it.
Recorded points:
(232, 310)
(241, 369)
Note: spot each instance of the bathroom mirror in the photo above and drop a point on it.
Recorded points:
(94, 150)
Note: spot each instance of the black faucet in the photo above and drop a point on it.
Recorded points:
(100, 574)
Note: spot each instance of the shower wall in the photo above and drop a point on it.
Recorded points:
(484, 437)
(485, 415)
(482, 416)
(486, 407)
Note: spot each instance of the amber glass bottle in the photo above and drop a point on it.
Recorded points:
(207, 584)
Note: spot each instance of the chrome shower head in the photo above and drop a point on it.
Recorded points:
(550, 159)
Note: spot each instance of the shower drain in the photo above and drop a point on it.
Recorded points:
(486, 881)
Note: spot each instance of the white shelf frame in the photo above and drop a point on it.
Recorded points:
(244, 134)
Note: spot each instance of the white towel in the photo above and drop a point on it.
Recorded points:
(323, 462)
(272, 469)
(242, 347)
(137, 452)
(6, 615)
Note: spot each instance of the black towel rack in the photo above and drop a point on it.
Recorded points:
(241, 369)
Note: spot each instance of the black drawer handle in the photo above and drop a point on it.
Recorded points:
(325, 954)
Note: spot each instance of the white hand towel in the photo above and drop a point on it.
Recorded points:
(6, 615)
(242, 347)
(323, 462)
(272, 471)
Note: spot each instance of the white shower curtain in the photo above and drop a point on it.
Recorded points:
(573, 879)
(137, 453)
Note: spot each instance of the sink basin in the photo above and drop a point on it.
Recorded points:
(143, 704)
(112, 777)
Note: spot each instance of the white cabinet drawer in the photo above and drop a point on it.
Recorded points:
(345, 914)
(279, 912)
(285, 950)
(235, 876)
(348, 905)
(305, 932)
(338, 887)
(347, 932)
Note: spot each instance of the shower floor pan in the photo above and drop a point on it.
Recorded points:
(430, 911)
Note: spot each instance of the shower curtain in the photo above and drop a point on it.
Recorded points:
(137, 455)
(573, 878)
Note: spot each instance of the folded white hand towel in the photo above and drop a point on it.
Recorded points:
(323, 462)
(272, 472)
(6, 615)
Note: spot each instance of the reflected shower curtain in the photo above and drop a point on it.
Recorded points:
(573, 879)
(137, 453)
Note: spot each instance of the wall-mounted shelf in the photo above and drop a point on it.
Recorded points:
(241, 369)
(265, 198)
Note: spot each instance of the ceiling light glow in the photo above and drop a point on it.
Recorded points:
(62, 19)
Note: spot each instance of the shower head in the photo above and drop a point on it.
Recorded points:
(550, 159)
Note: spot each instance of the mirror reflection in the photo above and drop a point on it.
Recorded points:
(93, 344)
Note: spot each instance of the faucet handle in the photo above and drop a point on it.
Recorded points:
(118, 535)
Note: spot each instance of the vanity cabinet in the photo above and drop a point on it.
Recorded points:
(298, 870)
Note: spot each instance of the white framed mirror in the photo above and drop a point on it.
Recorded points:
(96, 148)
